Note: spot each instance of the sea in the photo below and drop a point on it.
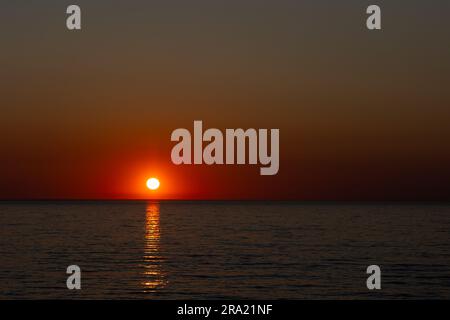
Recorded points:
(223, 250)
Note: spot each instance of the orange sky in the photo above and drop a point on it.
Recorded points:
(362, 116)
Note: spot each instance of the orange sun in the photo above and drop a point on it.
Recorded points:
(153, 183)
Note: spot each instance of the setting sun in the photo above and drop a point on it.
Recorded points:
(153, 183)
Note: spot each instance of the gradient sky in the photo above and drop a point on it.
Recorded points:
(362, 115)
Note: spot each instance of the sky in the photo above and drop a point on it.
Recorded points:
(363, 115)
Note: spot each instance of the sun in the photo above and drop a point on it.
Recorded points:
(153, 183)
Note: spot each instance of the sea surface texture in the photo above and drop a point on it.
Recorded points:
(224, 250)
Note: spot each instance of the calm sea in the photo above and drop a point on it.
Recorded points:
(215, 250)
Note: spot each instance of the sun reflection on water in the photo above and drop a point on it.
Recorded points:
(153, 275)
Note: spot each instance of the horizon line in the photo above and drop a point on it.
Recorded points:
(222, 200)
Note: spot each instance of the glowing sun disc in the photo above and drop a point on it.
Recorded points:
(153, 183)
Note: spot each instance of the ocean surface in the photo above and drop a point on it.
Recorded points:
(224, 250)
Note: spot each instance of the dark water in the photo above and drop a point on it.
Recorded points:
(213, 250)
